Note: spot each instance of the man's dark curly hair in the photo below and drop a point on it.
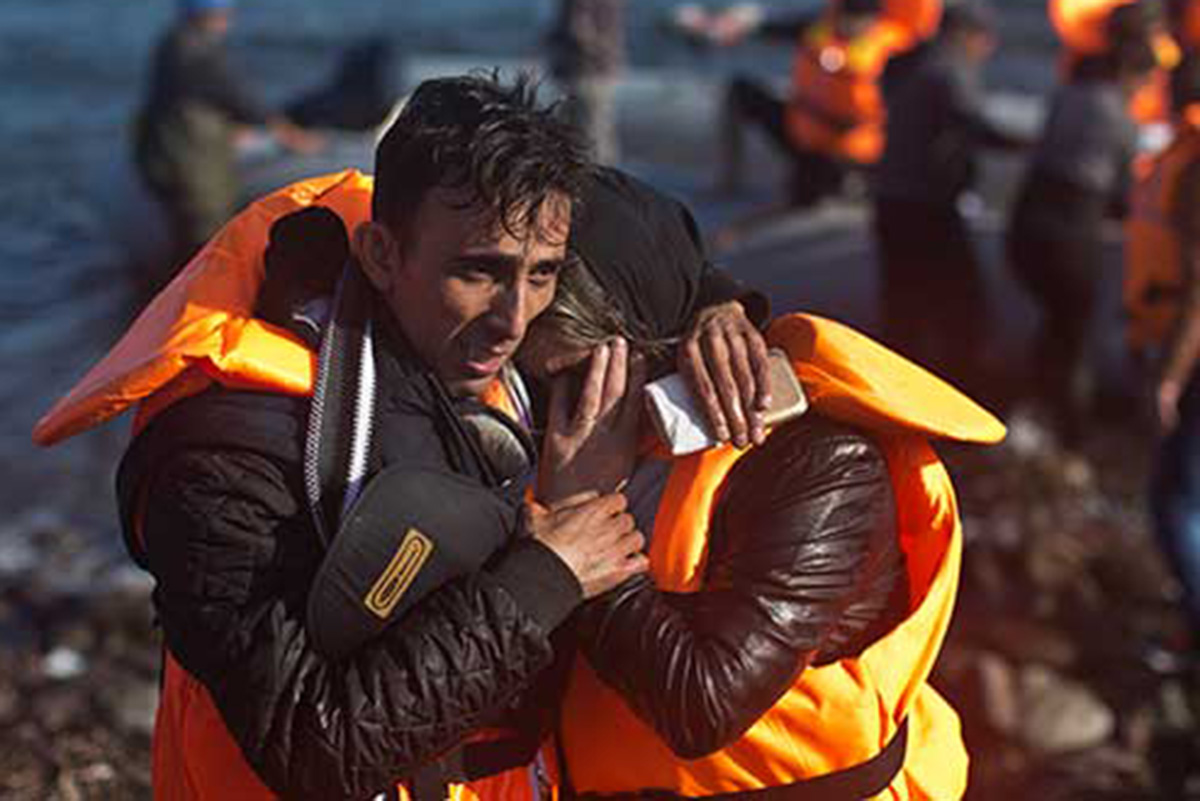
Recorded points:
(473, 134)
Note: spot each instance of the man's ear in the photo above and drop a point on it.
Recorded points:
(374, 246)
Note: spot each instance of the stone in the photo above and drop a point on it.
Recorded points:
(1059, 715)
(133, 704)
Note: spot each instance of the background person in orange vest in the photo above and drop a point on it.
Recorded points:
(1165, 246)
(831, 118)
(1077, 176)
(932, 299)
(795, 566)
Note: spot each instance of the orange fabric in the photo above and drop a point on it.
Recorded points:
(1189, 31)
(1153, 251)
(839, 715)
(1080, 24)
(1151, 103)
(195, 759)
(838, 79)
(202, 319)
(199, 330)
(920, 17)
(850, 377)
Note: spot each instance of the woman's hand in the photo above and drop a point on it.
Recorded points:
(592, 446)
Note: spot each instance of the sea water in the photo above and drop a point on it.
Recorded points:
(71, 73)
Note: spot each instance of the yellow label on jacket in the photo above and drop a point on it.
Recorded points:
(396, 578)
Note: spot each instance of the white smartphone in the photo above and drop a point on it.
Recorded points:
(682, 423)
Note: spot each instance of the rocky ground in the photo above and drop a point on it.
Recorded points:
(1062, 657)
(78, 667)
(1067, 657)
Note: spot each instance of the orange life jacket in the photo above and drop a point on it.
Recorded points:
(840, 715)
(836, 107)
(1154, 275)
(198, 330)
(919, 17)
(1082, 24)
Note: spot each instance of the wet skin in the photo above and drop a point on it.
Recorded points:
(463, 287)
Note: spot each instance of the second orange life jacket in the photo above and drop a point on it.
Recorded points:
(838, 716)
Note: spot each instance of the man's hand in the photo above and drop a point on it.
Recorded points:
(593, 445)
(724, 359)
(594, 536)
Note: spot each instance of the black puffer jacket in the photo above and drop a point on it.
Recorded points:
(230, 542)
(803, 568)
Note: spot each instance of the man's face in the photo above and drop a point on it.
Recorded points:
(463, 288)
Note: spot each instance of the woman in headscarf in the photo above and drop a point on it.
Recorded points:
(799, 589)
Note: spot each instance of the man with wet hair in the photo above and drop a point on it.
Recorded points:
(315, 653)
(329, 477)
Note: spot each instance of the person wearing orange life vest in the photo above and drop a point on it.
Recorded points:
(832, 118)
(800, 588)
(1162, 298)
(284, 675)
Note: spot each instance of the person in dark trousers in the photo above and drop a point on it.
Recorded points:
(587, 55)
(186, 129)
(932, 300)
(1077, 176)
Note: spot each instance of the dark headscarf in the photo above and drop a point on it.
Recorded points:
(644, 250)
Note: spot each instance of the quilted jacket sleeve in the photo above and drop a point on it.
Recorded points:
(229, 543)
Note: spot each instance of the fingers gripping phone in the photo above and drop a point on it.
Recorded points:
(680, 419)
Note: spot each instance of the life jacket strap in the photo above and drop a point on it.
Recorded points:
(865, 780)
(470, 762)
